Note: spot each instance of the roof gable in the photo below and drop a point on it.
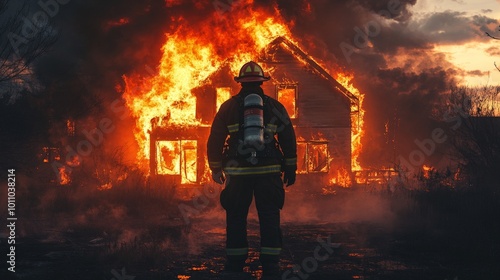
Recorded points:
(300, 55)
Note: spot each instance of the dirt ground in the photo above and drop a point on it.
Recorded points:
(348, 234)
(380, 256)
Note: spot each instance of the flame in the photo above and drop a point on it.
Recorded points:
(106, 186)
(378, 176)
(342, 178)
(46, 154)
(426, 171)
(169, 157)
(357, 118)
(73, 161)
(64, 176)
(191, 54)
(178, 158)
(70, 127)
(318, 157)
(50, 154)
(223, 94)
(287, 96)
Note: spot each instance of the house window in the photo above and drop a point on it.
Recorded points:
(178, 157)
(287, 95)
(317, 157)
(312, 157)
(189, 167)
(302, 157)
(223, 94)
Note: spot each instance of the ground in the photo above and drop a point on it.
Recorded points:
(68, 233)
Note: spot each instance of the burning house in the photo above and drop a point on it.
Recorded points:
(325, 115)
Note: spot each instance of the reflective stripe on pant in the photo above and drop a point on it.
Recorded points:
(269, 199)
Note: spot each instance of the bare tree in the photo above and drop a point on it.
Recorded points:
(26, 38)
(475, 134)
(496, 38)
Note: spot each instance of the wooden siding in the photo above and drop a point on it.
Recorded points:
(324, 113)
(319, 104)
(339, 143)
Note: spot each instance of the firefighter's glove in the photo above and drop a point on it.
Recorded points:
(289, 174)
(218, 176)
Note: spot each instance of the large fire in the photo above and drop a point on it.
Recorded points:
(190, 55)
(357, 119)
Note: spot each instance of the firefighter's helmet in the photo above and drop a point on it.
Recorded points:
(251, 72)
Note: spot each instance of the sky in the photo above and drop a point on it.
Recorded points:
(473, 53)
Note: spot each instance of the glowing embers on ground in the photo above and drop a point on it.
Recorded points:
(342, 178)
(357, 119)
(427, 170)
(50, 154)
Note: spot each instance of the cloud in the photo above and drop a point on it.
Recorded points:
(477, 73)
(493, 51)
(453, 27)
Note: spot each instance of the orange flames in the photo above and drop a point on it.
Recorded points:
(426, 171)
(356, 119)
(64, 176)
(190, 56)
(287, 98)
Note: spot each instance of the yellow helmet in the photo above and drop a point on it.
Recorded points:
(251, 72)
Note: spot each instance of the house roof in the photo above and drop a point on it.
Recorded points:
(296, 51)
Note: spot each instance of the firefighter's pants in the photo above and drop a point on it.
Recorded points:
(269, 199)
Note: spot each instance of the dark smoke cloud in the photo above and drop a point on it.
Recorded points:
(452, 27)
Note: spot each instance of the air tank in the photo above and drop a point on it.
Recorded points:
(253, 120)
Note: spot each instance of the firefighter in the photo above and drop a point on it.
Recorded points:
(251, 146)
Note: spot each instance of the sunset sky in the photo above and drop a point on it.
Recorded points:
(457, 29)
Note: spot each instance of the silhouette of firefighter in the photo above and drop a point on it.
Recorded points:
(260, 148)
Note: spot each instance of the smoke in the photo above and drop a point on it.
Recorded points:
(344, 206)
(403, 77)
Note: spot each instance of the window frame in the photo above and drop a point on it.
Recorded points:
(305, 160)
(229, 89)
(182, 145)
(294, 86)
